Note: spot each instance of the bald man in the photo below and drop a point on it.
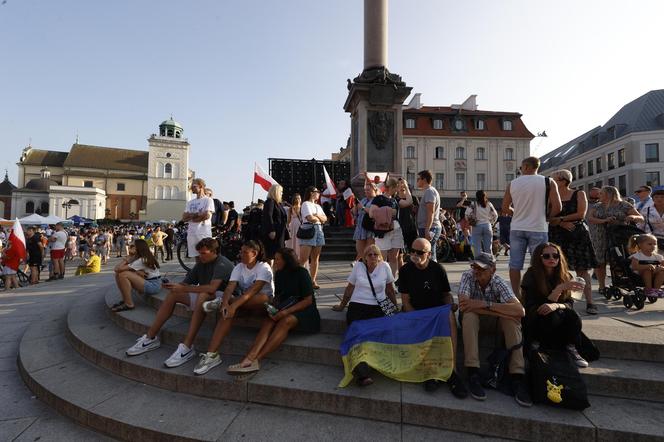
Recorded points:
(423, 284)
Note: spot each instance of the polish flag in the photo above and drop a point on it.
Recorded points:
(17, 240)
(331, 190)
(349, 197)
(378, 178)
(262, 178)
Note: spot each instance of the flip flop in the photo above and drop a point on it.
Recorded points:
(122, 308)
(238, 368)
(117, 304)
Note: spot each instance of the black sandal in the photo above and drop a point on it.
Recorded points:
(122, 308)
(117, 304)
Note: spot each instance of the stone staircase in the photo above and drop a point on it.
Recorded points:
(339, 244)
(76, 364)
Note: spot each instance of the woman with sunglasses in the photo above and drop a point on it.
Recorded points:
(313, 217)
(546, 290)
(568, 229)
(362, 299)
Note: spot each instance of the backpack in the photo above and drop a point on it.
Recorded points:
(382, 221)
(218, 212)
(556, 381)
(498, 376)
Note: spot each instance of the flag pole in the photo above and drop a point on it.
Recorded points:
(253, 184)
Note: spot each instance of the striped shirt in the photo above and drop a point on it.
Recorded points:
(497, 291)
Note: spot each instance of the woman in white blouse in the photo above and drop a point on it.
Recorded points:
(313, 217)
(654, 217)
(141, 274)
(362, 301)
(481, 215)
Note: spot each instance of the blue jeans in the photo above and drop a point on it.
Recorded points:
(520, 240)
(434, 240)
(481, 238)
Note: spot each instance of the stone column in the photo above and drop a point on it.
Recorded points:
(375, 34)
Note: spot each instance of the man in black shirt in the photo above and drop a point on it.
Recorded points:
(168, 242)
(423, 284)
(35, 249)
(203, 283)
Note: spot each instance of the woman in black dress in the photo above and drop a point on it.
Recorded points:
(274, 223)
(568, 229)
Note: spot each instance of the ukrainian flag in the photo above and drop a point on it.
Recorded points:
(410, 347)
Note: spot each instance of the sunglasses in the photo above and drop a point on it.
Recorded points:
(550, 256)
(419, 252)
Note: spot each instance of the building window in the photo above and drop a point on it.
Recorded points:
(590, 168)
(460, 153)
(622, 184)
(621, 157)
(158, 192)
(581, 170)
(87, 183)
(410, 123)
(481, 181)
(410, 152)
(461, 181)
(480, 154)
(120, 187)
(459, 124)
(410, 179)
(599, 184)
(573, 170)
(652, 153)
(652, 179)
(479, 124)
(168, 170)
(612, 182)
(509, 177)
(507, 125)
(598, 165)
(611, 161)
(29, 207)
(438, 124)
(440, 152)
(133, 206)
(440, 181)
(509, 154)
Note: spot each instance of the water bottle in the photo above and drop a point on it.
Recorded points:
(271, 310)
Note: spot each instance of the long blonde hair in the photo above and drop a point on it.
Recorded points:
(275, 192)
(613, 193)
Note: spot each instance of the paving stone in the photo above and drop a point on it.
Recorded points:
(11, 428)
(261, 422)
(59, 428)
(16, 399)
(8, 364)
(619, 420)
(411, 433)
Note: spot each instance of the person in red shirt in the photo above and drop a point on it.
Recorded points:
(10, 264)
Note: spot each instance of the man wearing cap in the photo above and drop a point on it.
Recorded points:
(645, 199)
(486, 300)
(423, 284)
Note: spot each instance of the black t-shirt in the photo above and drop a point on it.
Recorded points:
(32, 246)
(426, 287)
(461, 211)
(203, 273)
(171, 234)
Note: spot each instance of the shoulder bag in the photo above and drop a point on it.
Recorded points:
(386, 305)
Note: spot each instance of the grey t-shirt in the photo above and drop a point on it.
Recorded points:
(430, 196)
(202, 274)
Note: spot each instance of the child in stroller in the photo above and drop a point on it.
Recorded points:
(647, 263)
(625, 283)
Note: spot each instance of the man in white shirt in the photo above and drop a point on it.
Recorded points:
(58, 241)
(527, 201)
(198, 213)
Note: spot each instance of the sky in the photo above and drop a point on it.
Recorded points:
(250, 79)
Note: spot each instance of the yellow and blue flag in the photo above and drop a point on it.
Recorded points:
(410, 347)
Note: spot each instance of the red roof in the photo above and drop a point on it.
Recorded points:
(492, 123)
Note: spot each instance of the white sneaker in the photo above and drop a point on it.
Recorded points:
(207, 362)
(576, 357)
(142, 345)
(181, 355)
(212, 306)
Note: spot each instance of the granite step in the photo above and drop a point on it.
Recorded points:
(312, 387)
(129, 410)
(607, 377)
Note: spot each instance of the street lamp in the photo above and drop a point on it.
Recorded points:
(67, 205)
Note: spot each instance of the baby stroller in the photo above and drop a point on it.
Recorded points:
(625, 283)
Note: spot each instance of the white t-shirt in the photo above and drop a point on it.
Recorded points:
(309, 208)
(381, 276)
(640, 256)
(245, 277)
(528, 193)
(149, 273)
(60, 240)
(200, 205)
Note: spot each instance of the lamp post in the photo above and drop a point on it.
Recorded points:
(67, 205)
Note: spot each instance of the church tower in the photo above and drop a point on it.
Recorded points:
(168, 173)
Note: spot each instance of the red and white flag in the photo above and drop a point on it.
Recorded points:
(331, 190)
(378, 178)
(262, 178)
(349, 197)
(17, 240)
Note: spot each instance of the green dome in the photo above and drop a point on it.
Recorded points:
(172, 123)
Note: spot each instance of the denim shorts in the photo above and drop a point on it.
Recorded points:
(318, 240)
(520, 241)
(152, 286)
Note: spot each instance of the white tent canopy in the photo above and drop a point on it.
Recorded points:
(52, 219)
(33, 219)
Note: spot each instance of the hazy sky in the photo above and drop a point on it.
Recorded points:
(250, 80)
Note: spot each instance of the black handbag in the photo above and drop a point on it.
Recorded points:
(385, 304)
(556, 381)
(498, 376)
(305, 232)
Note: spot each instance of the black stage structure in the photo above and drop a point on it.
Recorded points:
(296, 175)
